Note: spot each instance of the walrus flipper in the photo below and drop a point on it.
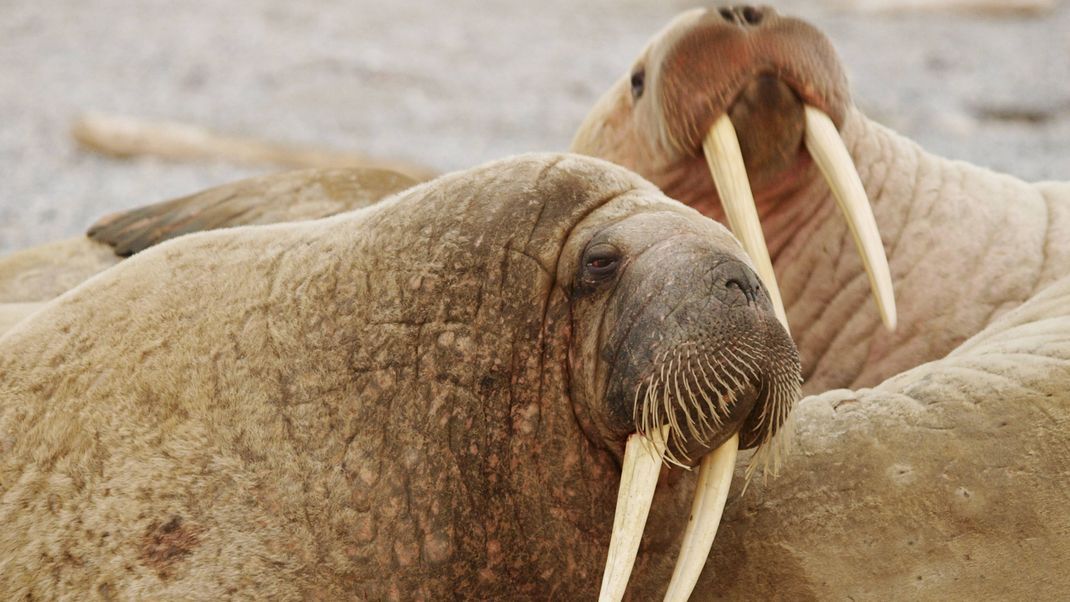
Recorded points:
(286, 197)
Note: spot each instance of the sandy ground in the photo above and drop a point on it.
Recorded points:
(452, 84)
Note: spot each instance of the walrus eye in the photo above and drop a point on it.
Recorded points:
(638, 79)
(601, 262)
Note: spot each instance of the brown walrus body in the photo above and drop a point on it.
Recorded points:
(417, 400)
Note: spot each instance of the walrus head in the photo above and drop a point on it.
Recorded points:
(674, 118)
(677, 330)
(677, 351)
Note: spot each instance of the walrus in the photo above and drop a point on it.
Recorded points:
(721, 89)
(438, 394)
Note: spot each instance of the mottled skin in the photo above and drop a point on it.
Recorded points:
(394, 403)
(964, 244)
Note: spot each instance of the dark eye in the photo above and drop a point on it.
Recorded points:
(638, 79)
(601, 262)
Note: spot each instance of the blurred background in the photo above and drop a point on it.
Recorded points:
(452, 84)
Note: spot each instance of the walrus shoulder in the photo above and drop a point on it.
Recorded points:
(291, 196)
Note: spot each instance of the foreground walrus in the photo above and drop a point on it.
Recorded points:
(428, 397)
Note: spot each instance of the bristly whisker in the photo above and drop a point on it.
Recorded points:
(693, 391)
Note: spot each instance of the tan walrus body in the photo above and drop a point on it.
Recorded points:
(427, 397)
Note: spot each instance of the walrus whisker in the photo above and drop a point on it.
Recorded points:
(705, 396)
(732, 367)
(684, 404)
(727, 397)
(693, 399)
(776, 437)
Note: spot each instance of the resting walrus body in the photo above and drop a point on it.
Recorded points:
(424, 399)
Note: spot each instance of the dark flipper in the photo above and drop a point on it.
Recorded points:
(286, 197)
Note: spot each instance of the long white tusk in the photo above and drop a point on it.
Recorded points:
(638, 479)
(725, 161)
(714, 479)
(825, 146)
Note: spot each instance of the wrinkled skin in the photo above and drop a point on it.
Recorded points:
(404, 402)
(964, 244)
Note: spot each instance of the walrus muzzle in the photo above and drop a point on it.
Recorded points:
(695, 388)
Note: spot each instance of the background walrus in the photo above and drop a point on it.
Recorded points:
(427, 397)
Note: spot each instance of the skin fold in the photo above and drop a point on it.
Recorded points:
(404, 402)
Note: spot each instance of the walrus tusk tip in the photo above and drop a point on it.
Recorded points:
(639, 477)
(711, 493)
(829, 153)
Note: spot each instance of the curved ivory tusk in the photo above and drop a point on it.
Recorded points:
(725, 161)
(714, 479)
(827, 149)
(638, 479)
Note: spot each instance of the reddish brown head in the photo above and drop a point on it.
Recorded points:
(728, 110)
(748, 62)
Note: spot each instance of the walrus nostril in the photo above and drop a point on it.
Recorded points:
(751, 15)
(742, 15)
(739, 282)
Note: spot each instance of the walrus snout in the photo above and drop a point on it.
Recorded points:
(699, 72)
(697, 346)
